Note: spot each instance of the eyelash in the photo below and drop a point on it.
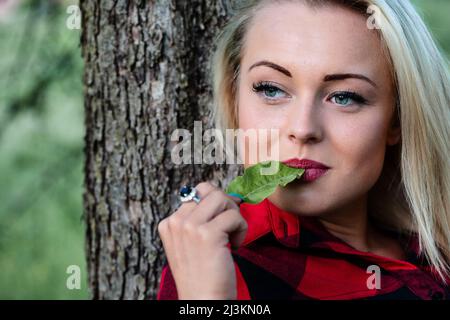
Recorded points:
(352, 95)
(261, 86)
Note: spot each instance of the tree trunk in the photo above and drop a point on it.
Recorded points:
(145, 76)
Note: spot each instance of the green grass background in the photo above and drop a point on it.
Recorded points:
(41, 147)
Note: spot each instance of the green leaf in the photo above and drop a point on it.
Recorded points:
(260, 180)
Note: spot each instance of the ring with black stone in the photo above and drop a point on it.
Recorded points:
(188, 193)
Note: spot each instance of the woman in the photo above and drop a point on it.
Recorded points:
(359, 94)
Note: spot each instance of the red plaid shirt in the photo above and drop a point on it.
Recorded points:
(285, 256)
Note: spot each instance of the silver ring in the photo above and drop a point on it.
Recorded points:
(188, 193)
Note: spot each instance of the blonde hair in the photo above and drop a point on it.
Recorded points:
(412, 194)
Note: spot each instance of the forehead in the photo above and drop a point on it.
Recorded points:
(329, 37)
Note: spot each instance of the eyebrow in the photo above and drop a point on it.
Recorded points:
(329, 77)
(343, 76)
(273, 66)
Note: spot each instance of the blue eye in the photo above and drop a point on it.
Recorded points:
(268, 90)
(346, 98)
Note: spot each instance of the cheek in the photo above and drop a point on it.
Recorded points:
(360, 146)
(252, 114)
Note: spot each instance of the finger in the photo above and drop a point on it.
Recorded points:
(214, 203)
(166, 237)
(235, 198)
(171, 231)
(203, 189)
(232, 223)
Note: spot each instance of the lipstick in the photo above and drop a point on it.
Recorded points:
(313, 169)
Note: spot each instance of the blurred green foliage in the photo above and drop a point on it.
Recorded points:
(41, 147)
(41, 153)
(436, 15)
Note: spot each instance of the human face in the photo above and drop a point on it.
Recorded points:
(310, 105)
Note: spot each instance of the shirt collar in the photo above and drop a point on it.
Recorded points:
(292, 231)
(261, 220)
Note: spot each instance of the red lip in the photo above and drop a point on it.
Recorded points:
(313, 169)
(304, 163)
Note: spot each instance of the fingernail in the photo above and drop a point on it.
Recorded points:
(236, 195)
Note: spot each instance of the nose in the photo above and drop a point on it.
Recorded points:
(304, 123)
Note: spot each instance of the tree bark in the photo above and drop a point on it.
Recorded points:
(145, 76)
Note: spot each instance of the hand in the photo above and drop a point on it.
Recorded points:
(195, 239)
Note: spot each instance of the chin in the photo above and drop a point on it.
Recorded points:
(294, 206)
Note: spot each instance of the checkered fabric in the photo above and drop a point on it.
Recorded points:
(285, 256)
